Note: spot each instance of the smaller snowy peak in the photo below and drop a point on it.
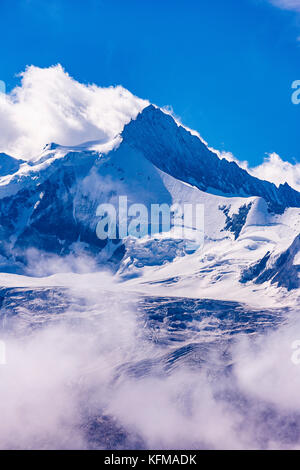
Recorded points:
(51, 146)
(281, 269)
(54, 150)
(9, 165)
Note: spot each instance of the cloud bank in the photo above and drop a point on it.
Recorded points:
(50, 106)
(75, 357)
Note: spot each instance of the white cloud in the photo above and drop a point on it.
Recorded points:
(278, 171)
(287, 4)
(50, 106)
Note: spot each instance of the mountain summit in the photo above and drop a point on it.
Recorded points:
(173, 149)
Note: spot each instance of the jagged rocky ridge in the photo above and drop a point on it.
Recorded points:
(176, 151)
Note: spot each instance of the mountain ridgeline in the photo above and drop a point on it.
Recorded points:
(183, 155)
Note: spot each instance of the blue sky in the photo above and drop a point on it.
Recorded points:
(226, 67)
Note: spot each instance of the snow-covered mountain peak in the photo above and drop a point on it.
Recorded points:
(50, 205)
(178, 152)
(8, 164)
